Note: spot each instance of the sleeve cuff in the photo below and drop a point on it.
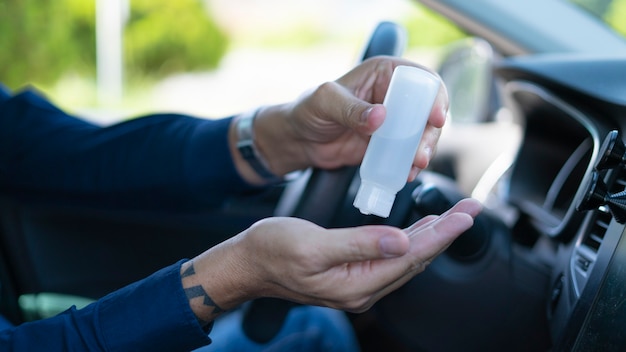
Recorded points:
(151, 314)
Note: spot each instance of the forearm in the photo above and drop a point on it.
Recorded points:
(218, 280)
(158, 161)
(275, 150)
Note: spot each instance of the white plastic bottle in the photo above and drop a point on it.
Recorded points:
(389, 155)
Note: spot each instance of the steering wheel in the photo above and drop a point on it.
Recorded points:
(316, 196)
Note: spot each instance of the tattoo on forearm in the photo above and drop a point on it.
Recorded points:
(188, 272)
(198, 291)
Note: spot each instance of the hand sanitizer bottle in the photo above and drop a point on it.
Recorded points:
(387, 162)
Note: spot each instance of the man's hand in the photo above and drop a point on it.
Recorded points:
(348, 269)
(330, 126)
(334, 122)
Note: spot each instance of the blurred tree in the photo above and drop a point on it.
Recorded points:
(427, 28)
(165, 36)
(616, 16)
(612, 12)
(597, 7)
(42, 41)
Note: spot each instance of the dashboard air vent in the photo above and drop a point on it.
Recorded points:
(587, 251)
(594, 238)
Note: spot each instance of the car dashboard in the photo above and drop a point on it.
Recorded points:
(548, 242)
(566, 180)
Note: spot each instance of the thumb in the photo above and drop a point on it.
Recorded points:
(366, 243)
(371, 119)
(350, 111)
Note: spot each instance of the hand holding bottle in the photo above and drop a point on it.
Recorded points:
(392, 148)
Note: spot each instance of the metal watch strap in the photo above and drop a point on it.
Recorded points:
(247, 148)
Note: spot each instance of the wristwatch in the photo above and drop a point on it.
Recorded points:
(247, 148)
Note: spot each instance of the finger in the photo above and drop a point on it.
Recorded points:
(425, 151)
(439, 112)
(365, 243)
(370, 81)
(441, 232)
(429, 242)
(432, 132)
(467, 205)
(421, 222)
(470, 206)
(413, 173)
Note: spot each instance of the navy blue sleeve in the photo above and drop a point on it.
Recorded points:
(165, 161)
(150, 315)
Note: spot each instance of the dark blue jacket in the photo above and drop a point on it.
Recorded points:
(158, 161)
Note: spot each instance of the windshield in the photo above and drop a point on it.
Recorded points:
(611, 12)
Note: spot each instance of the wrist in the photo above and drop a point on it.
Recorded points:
(274, 142)
(248, 149)
(224, 275)
(277, 141)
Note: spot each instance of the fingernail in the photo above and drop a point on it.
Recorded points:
(365, 115)
(391, 246)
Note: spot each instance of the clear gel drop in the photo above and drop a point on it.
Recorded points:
(389, 155)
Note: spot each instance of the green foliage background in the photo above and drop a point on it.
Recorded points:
(427, 28)
(163, 37)
(612, 12)
(41, 41)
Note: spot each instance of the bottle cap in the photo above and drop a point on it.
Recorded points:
(372, 199)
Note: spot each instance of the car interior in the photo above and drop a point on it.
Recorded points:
(542, 269)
